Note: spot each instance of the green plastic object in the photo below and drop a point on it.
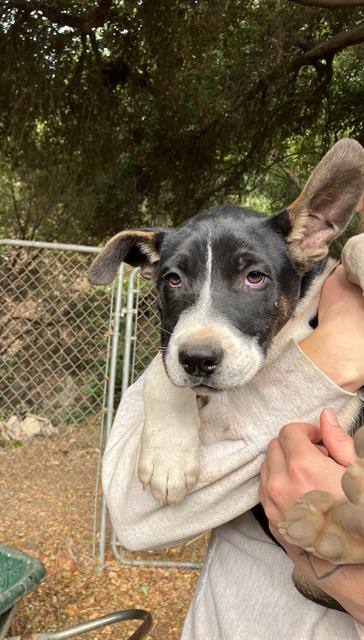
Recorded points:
(19, 574)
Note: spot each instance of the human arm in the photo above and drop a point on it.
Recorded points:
(337, 345)
(295, 465)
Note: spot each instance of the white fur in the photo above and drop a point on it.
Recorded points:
(243, 356)
(204, 301)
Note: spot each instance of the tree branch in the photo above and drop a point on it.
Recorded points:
(330, 4)
(286, 170)
(328, 48)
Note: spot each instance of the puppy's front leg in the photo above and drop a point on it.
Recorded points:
(169, 453)
(352, 258)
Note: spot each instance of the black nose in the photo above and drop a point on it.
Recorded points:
(200, 359)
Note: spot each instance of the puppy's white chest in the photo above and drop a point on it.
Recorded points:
(221, 417)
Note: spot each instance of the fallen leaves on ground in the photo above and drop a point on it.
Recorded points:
(47, 506)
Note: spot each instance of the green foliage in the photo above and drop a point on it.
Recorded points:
(117, 114)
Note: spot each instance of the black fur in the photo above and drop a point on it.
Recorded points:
(242, 241)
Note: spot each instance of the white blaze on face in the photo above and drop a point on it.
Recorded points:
(204, 302)
(242, 355)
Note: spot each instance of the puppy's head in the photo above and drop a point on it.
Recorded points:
(229, 279)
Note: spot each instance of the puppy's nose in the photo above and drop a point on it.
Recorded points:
(200, 359)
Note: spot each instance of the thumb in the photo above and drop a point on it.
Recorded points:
(338, 443)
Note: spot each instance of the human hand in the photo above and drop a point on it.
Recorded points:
(337, 345)
(294, 465)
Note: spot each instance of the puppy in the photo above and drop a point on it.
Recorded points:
(234, 286)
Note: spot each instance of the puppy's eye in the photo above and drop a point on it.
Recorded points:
(255, 279)
(173, 280)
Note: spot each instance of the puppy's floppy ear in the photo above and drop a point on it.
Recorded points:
(325, 206)
(137, 247)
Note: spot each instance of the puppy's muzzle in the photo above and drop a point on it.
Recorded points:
(200, 360)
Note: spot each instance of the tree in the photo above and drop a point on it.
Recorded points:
(116, 113)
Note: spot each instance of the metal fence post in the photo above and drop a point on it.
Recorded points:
(130, 312)
(117, 313)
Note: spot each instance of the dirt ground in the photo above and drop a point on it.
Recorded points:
(47, 489)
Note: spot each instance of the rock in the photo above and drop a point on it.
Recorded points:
(31, 425)
(13, 428)
(2, 429)
(46, 427)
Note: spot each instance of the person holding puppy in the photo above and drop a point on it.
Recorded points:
(295, 464)
(245, 590)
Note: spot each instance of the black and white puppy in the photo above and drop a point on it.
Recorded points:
(231, 283)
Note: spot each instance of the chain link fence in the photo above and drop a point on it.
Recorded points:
(67, 353)
(55, 339)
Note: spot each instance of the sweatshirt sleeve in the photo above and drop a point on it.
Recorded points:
(291, 388)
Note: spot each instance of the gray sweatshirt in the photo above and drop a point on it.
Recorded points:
(245, 590)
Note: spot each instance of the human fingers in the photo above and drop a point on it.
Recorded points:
(297, 438)
(263, 483)
(283, 481)
(338, 443)
(322, 449)
(276, 460)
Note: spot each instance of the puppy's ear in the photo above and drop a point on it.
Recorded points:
(137, 247)
(325, 206)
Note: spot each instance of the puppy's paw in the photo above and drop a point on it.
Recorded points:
(309, 525)
(329, 529)
(169, 474)
(304, 523)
